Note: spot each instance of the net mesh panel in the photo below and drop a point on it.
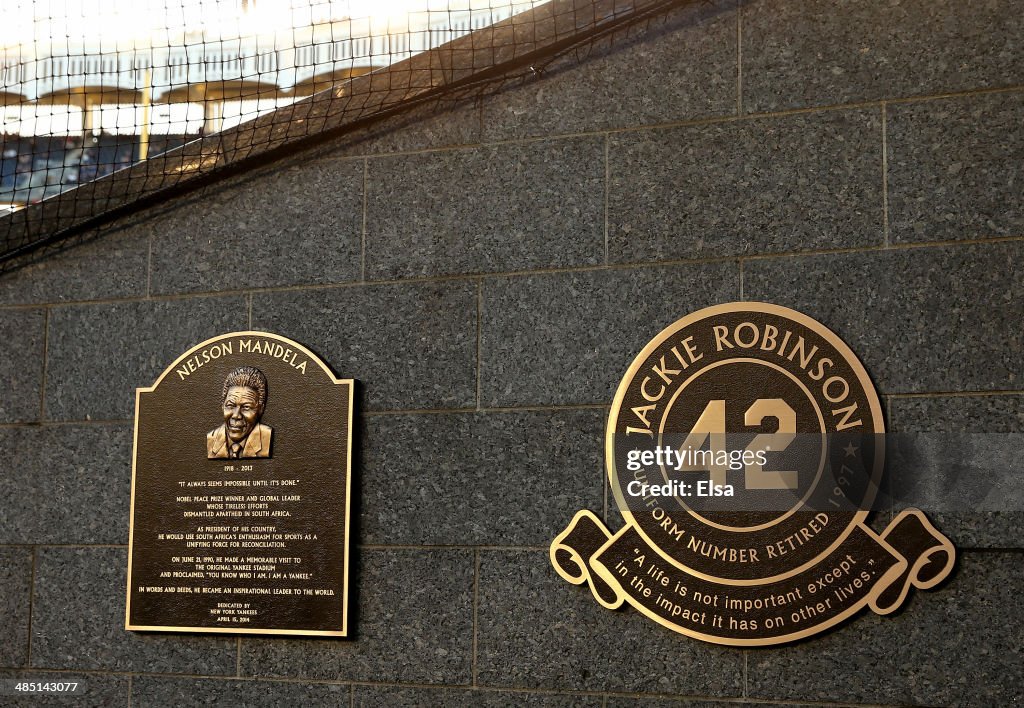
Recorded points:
(111, 105)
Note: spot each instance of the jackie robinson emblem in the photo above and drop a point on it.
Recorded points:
(745, 451)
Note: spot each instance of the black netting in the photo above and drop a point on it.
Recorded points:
(110, 104)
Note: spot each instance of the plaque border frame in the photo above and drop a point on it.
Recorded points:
(343, 632)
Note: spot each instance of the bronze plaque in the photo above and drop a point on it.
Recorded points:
(241, 485)
(744, 450)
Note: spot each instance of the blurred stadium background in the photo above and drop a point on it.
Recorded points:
(89, 87)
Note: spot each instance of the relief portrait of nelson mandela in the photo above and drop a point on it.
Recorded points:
(243, 400)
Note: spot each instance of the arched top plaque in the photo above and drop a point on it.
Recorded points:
(241, 492)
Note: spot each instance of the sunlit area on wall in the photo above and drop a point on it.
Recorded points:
(88, 87)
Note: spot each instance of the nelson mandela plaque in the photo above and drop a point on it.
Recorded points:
(745, 451)
(241, 483)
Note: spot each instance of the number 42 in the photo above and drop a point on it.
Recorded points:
(711, 424)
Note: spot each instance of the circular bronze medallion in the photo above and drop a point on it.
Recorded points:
(744, 449)
(744, 443)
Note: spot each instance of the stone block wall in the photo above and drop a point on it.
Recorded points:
(488, 273)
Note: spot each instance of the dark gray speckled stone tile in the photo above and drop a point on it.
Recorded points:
(78, 621)
(414, 697)
(990, 414)
(98, 354)
(634, 702)
(486, 209)
(958, 459)
(291, 225)
(411, 346)
(679, 67)
(72, 484)
(567, 338)
(413, 624)
(160, 691)
(537, 631)
(956, 168)
(15, 590)
(921, 319)
(811, 181)
(801, 53)
(957, 645)
(111, 262)
(468, 479)
(22, 333)
(435, 124)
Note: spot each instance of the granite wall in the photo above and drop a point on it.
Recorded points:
(488, 273)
